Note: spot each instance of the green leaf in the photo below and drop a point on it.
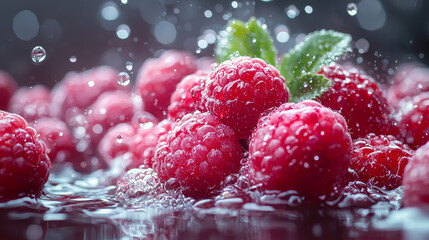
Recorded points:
(306, 59)
(308, 86)
(246, 39)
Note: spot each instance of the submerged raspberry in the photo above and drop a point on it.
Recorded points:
(7, 88)
(303, 147)
(31, 103)
(61, 146)
(158, 78)
(187, 96)
(380, 160)
(199, 152)
(24, 164)
(414, 120)
(416, 178)
(358, 98)
(240, 90)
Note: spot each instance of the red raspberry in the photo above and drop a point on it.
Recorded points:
(24, 164)
(58, 139)
(7, 88)
(31, 103)
(358, 98)
(116, 142)
(187, 96)
(80, 90)
(146, 139)
(199, 152)
(416, 178)
(158, 78)
(415, 81)
(303, 147)
(240, 89)
(414, 120)
(380, 160)
(110, 109)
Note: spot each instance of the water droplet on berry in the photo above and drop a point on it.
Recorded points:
(352, 9)
(38, 54)
(129, 65)
(214, 66)
(123, 78)
(119, 138)
(73, 59)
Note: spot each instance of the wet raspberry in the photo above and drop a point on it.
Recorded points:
(79, 90)
(7, 88)
(144, 144)
(357, 97)
(187, 96)
(24, 163)
(380, 160)
(139, 182)
(31, 103)
(116, 142)
(416, 178)
(240, 90)
(303, 147)
(199, 152)
(61, 146)
(158, 78)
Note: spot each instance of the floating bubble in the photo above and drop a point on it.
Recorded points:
(123, 78)
(73, 59)
(129, 65)
(234, 4)
(352, 9)
(208, 14)
(308, 9)
(38, 54)
(109, 12)
(124, 1)
(165, 32)
(292, 11)
(119, 138)
(123, 31)
(25, 25)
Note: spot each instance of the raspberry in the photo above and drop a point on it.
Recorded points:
(144, 144)
(380, 160)
(415, 81)
(116, 142)
(187, 96)
(58, 139)
(358, 98)
(158, 78)
(110, 109)
(414, 120)
(199, 152)
(31, 103)
(24, 164)
(416, 178)
(240, 89)
(303, 147)
(80, 90)
(7, 88)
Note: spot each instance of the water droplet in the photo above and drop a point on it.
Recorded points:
(214, 66)
(123, 78)
(308, 9)
(38, 54)
(123, 31)
(119, 138)
(234, 4)
(351, 9)
(124, 1)
(129, 65)
(292, 11)
(73, 59)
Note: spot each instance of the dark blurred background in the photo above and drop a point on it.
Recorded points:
(81, 34)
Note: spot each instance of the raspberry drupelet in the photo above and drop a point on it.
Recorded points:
(24, 163)
(303, 147)
(240, 90)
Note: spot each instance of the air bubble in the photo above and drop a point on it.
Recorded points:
(38, 54)
(352, 9)
(129, 65)
(292, 11)
(119, 138)
(123, 79)
(73, 59)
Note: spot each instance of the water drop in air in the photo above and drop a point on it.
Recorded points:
(352, 9)
(123, 78)
(119, 138)
(129, 65)
(38, 54)
(73, 59)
